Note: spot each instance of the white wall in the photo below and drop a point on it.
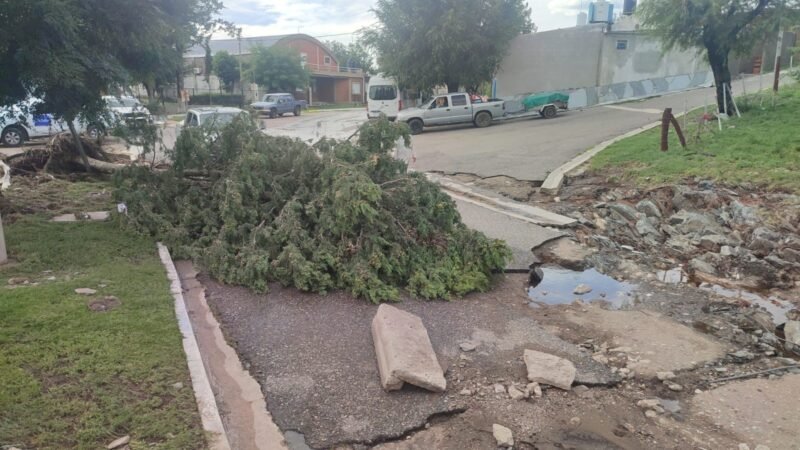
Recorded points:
(551, 60)
(644, 59)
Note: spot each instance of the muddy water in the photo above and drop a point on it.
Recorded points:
(558, 285)
(774, 305)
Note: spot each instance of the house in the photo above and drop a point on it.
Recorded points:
(332, 81)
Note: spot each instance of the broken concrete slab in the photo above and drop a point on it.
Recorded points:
(733, 408)
(521, 236)
(404, 351)
(564, 252)
(85, 291)
(503, 436)
(549, 369)
(96, 216)
(657, 343)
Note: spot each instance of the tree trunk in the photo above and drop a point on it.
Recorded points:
(79, 144)
(718, 60)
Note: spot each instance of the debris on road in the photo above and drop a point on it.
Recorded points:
(503, 436)
(549, 369)
(404, 351)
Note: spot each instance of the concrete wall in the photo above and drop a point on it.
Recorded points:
(551, 60)
(642, 59)
(586, 63)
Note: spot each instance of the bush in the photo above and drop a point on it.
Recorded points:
(253, 209)
(235, 100)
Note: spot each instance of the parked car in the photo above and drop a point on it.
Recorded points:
(279, 104)
(127, 109)
(19, 124)
(383, 98)
(451, 109)
(213, 117)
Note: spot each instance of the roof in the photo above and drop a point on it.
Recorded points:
(232, 45)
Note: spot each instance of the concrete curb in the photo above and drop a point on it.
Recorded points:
(527, 213)
(555, 179)
(204, 395)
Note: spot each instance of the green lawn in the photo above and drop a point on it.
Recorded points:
(762, 148)
(74, 378)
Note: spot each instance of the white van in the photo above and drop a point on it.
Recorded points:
(383, 97)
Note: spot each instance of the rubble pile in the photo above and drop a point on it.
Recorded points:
(720, 236)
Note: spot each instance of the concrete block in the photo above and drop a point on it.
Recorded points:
(404, 351)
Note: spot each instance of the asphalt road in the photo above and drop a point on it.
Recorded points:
(530, 149)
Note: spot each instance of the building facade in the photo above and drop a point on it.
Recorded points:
(332, 81)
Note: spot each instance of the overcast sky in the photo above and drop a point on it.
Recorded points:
(324, 18)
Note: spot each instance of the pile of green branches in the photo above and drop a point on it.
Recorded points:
(252, 209)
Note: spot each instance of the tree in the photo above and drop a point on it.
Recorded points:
(278, 69)
(354, 54)
(226, 67)
(718, 27)
(69, 53)
(426, 43)
(339, 215)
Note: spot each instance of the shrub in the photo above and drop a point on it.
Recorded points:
(339, 215)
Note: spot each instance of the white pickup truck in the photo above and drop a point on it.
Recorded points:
(451, 109)
(458, 108)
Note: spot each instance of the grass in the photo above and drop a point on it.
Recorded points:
(74, 378)
(762, 148)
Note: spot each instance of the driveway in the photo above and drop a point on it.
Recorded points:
(529, 150)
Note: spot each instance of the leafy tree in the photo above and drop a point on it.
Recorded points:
(426, 43)
(226, 67)
(278, 69)
(68, 53)
(254, 209)
(718, 27)
(354, 54)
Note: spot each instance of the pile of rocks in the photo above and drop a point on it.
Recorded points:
(716, 232)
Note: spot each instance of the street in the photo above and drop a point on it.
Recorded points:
(525, 149)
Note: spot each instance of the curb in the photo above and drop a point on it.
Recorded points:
(555, 179)
(527, 213)
(204, 395)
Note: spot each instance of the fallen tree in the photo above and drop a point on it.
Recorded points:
(62, 155)
(339, 215)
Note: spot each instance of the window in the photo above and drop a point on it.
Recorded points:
(440, 102)
(459, 100)
(191, 120)
(622, 44)
(382, 93)
(356, 87)
(327, 60)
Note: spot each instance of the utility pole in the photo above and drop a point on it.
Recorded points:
(3, 253)
(241, 76)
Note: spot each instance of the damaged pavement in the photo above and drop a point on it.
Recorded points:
(658, 319)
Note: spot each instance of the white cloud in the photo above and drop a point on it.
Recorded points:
(314, 17)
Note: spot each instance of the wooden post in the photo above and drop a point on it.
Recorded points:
(3, 253)
(666, 119)
(665, 129)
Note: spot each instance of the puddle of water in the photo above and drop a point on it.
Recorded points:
(296, 441)
(774, 305)
(558, 285)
